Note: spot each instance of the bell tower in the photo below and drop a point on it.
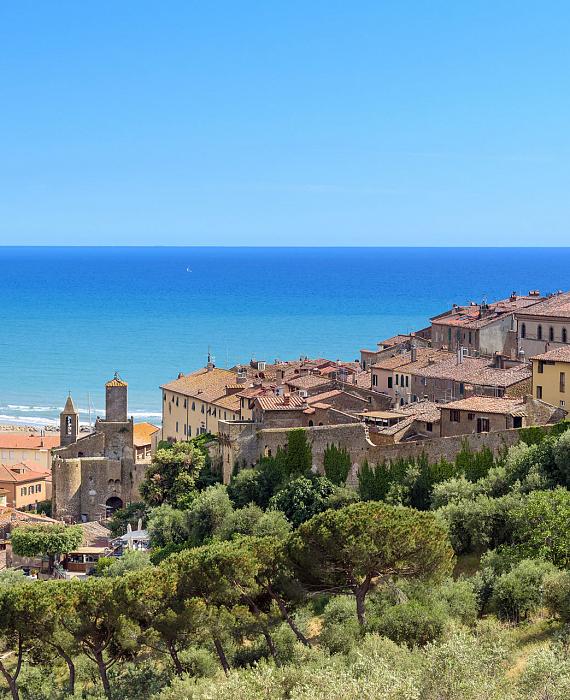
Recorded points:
(116, 400)
(68, 423)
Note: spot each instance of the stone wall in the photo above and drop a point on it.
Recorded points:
(244, 444)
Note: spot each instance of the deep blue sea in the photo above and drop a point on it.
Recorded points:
(70, 317)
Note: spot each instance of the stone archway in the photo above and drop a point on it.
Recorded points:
(112, 504)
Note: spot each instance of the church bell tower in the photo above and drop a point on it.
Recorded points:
(68, 423)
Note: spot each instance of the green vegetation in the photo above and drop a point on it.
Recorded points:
(289, 585)
(45, 540)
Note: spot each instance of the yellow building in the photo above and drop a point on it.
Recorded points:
(193, 403)
(550, 376)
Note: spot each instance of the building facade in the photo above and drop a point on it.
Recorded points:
(550, 376)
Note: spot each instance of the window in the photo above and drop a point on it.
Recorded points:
(455, 416)
(564, 336)
(389, 382)
(185, 403)
(470, 416)
(23, 491)
(523, 330)
(177, 400)
(375, 380)
(482, 425)
(407, 380)
(193, 405)
(562, 403)
(538, 392)
(184, 428)
(397, 379)
(461, 388)
(540, 366)
(551, 334)
(429, 427)
(176, 426)
(470, 338)
(562, 382)
(189, 431)
(539, 332)
(202, 408)
(225, 415)
(38, 488)
(214, 411)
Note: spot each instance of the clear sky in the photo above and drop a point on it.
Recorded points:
(285, 123)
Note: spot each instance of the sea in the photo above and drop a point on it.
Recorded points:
(71, 317)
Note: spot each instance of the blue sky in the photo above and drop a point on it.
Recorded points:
(297, 123)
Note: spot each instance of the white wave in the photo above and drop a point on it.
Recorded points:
(145, 414)
(28, 420)
(31, 408)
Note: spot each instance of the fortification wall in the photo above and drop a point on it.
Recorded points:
(245, 446)
(66, 490)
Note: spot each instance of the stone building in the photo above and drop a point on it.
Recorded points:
(544, 326)
(98, 473)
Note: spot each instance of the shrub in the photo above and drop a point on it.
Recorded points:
(208, 513)
(557, 594)
(412, 623)
(518, 593)
(561, 452)
(167, 526)
(302, 498)
(453, 491)
(244, 488)
(337, 464)
(460, 600)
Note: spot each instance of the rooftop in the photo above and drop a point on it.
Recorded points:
(308, 381)
(557, 305)
(287, 402)
(561, 354)
(21, 441)
(488, 404)
(142, 433)
(21, 472)
(476, 316)
(206, 385)
(404, 359)
(474, 370)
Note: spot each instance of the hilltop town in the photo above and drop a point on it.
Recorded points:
(438, 456)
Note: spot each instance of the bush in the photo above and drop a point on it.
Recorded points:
(302, 498)
(453, 491)
(244, 488)
(209, 511)
(557, 594)
(460, 600)
(518, 593)
(337, 464)
(413, 623)
(561, 452)
(167, 526)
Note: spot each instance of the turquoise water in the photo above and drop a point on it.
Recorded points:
(72, 316)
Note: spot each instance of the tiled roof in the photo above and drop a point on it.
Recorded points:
(323, 396)
(420, 410)
(561, 354)
(395, 340)
(142, 433)
(203, 384)
(488, 404)
(474, 370)
(9, 514)
(308, 381)
(477, 316)
(278, 403)
(404, 360)
(28, 473)
(116, 381)
(557, 305)
(16, 441)
(230, 402)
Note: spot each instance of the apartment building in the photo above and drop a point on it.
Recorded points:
(550, 376)
(545, 325)
(24, 485)
(22, 447)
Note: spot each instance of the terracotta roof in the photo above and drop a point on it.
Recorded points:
(230, 402)
(116, 381)
(477, 316)
(561, 354)
(557, 306)
(474, 370)
(308, 381)
(251, 391)
(27, 442)
(277, 403)
(27, 473)
(423, 357)
(142, 433)
(395, 340)
(418, 411)
(488, 404)
(203, 384)
(318, 398)
(9, 514)
(95, 534)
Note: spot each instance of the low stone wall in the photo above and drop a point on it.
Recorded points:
(248, 444)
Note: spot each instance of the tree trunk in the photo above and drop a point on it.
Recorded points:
(11, 683)
(360, 609)
(103, 673)
(71, 668)
(288, 619)
(51, 563)
(175, 659)
(221, 655)
(269, 641)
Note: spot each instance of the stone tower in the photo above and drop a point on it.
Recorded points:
(68, 423)
(116, 400)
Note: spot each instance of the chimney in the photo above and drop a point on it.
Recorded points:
(513, 296)
(414, 353)
(286, 399)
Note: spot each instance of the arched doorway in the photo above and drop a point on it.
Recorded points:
(112, 504)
